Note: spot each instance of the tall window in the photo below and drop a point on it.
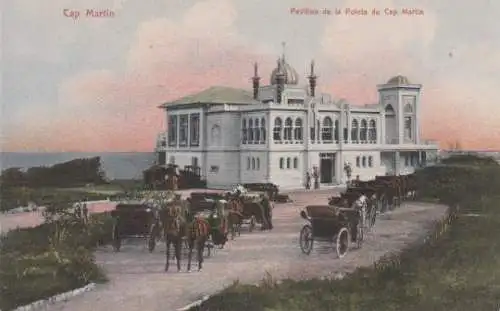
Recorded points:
(298, 129)
(263, 129)
(295, 162)
(278, 127)
(183, 130)
(337, 131)
(355, 131)
(172, 130)
(288, 162)
(288, 129)
(282, 163)
(372, 132)
(363, 131)
(248, 163)
(327, 130)
(250, 131)
(257, 131)
(408, 128)
(244, 131)
(195, 129)
(346, 128)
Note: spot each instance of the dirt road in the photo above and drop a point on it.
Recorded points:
(138, 281)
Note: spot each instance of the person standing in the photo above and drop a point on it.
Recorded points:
(316, 177)
(308, 181)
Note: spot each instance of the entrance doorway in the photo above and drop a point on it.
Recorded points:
(327, 167)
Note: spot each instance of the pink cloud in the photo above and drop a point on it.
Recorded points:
(104, 110)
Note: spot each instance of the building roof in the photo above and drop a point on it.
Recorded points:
(215, 95)
(290, 76)
(399, 79)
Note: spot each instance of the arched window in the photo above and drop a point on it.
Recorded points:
(298, 129)
(327, 130)
(244, 131)
(263, 129)
(364, 161)
(253, 163)
(250, 131)
(288, 129)
(288, 163)
(282, 163)
(389, 110)
(372, 132)
(363, 131)
(358, 164)
(258, 163)
(278, 128)
(248, 163)
(370, 161)
(336, 131)
(257, 131)
(295, 162)
(355, 131)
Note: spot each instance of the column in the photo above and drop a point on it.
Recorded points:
(397, 163)
(269, 133)
(189, 130)
(349, 127)
(341, 127)
(381, 133)
(178, 126)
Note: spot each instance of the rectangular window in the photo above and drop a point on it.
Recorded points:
(408, 128)
(194, 125)
(172, 131)
(183, 130)
(295, 101)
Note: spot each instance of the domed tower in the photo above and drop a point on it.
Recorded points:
(282, 75)
(400, 100)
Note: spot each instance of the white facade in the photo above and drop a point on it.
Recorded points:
(282, 131)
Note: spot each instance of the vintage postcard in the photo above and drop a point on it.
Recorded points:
(257, 144)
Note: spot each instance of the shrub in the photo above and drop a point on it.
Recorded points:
(55, 257)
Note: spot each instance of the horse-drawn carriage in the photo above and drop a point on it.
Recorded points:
(249, 208)
(135, 219)
(339, 223)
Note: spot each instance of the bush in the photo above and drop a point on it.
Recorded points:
(55, 257)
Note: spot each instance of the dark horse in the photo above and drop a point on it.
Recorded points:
(178, 223)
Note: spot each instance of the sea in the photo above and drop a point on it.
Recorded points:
(116, 165)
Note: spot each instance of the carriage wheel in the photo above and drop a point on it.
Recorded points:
(117, 242)
(342, 242)
(153, 234)
(253, 221)
(306, 239)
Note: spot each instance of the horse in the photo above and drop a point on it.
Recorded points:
(235, 215)
(178, 223)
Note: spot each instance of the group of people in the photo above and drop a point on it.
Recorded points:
(315, 176)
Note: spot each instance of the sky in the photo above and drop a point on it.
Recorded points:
(94, 83)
